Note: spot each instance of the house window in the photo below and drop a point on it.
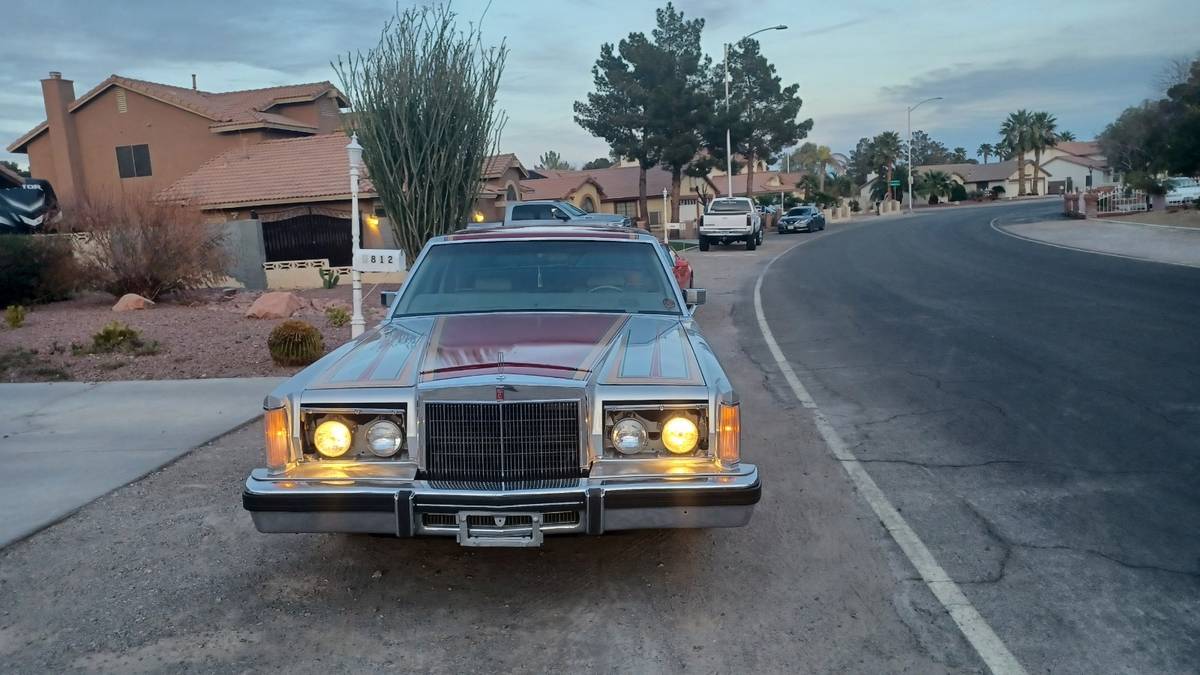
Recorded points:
(655, 218)
(133, 161)
(628, 208)
(588, 205)
(510, 193)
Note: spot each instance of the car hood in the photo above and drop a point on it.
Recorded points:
(606, 348)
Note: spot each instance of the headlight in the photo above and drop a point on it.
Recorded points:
(332, 438)
(629, 437)
(384, 438)
(680, 435)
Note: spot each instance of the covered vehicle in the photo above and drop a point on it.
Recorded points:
(527, 382)
(27, 209)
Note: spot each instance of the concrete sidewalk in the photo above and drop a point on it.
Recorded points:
(64, 444)
(1155, 243)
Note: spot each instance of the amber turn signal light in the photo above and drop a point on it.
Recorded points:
(275, 428)
(729, 434)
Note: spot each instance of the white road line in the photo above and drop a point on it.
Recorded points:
(995, 226)
(974, 627)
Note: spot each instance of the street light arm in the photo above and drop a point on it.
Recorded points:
(935, 98)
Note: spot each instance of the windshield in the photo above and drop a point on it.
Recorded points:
(729, 206)
(571, 209)
(539, 276)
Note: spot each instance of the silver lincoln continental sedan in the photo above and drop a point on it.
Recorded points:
(527, 382)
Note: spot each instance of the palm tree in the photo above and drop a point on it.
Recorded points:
(1065, 136)
(1015, 131)
(935, 184)
(823, 157)
(1042, 134)
(887, 150)
(985, 151)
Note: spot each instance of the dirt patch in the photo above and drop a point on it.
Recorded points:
(197, 334)
(1177, 218)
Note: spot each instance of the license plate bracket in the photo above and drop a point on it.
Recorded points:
(497, 532)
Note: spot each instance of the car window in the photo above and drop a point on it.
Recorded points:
(572, 209)
(533, 212)
(540, 275)
(729, 206)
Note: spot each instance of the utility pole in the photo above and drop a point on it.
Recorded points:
(910, 165)
(728, 133)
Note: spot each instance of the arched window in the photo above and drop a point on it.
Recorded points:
(588, 205)
(510, 193)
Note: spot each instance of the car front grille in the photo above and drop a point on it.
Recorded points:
(502, 441)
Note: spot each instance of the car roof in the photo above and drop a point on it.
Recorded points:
(548, 232)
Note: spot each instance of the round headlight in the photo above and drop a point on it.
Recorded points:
(384, 438)
(332, 438)
(680, 435)
(629, 436)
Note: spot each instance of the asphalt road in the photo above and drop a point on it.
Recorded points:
(169, 574)
(1033, 412)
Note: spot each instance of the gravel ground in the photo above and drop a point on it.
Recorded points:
(200, 335)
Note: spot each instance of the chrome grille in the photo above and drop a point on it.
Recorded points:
(502, 441)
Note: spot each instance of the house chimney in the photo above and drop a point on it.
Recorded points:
(193, 82)
(58, 95)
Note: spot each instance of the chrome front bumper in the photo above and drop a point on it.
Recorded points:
(481, 517)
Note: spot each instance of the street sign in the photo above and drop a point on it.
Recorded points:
(894, 183)
(379, 260)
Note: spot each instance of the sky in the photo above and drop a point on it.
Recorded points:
(859, 63)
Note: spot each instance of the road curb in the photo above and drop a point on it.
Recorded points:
(995, 225)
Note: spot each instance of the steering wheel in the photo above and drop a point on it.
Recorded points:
(604, 288)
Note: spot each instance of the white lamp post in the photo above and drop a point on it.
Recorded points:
(910, 166)
(666, 211)
(354, 152)
(728, 140)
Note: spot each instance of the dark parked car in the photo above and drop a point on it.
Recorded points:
(802, 219)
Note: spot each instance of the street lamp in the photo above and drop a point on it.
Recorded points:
(910, 166)
(728, 139)
(354, 153)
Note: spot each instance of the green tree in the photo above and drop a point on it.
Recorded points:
(1043, 134)
(887, 150)
(814, 159)
(1065, 136)
(985, 150)
(862, 161)
(762, 113)
(680, 106)
(427, 84)
(598, 163)
(618, 109)
(959, 155)
(1016, 131)
(552, 161)
(933, 184)
(926, 150)
(881, 190)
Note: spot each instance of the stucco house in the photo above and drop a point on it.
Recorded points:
(985, 177)
(127, 135)
(615, 190)
(765, 183)
(1078, 165)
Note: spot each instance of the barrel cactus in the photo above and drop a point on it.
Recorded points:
(295, 343)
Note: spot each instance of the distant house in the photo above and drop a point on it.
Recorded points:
(1078, 165)
(126, 135)
(765, 183)
(985, 177)
(616, 190)
(502, 177)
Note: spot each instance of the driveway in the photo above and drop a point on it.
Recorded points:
(64, 444)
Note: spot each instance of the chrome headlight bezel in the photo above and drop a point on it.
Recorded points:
(359, 420)
(653, 417)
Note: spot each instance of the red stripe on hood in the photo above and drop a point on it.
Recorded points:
(555, 345)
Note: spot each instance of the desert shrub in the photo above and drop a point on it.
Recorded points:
(295, 343)
(36, 268)
(822, 199)
(854, 206)
(329, 277)
(958, 193)
(998, 191)
(14, 316)
(148, 247)
(117, 337)
(337, 316)
(976, 195)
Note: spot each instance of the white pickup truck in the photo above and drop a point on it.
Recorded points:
(731, 219)
(1182, 190)
(552, 212)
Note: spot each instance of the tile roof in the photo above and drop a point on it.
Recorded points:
(495, 165)
(763, 183)
(293, 170)
(618, 183)
(1081, 161)
(1080, 148)
(974, 173)
(246, 107)
(560, 186)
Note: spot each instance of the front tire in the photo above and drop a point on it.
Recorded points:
(751, 243)
(703, 243)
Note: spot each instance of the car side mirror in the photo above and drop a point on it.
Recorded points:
(694, 297)
(387, 298)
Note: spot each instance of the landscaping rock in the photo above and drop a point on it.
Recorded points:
(132, 301)
(275, 305)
